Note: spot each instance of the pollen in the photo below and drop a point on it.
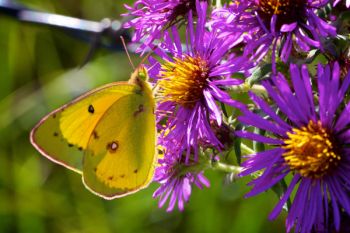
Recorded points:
(183, 80)
(287, 11)
(311, 151)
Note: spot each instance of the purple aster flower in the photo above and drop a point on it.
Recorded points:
(153, 17)
(310, 144)
(275, 25)
(190, 81)
(176, 182)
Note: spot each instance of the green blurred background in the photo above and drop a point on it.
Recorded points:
(38, 73)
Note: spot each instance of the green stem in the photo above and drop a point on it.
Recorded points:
(245, 87)
(246, 149)
(216, 165)
(258, 89)
(209, 164)
(194, 168)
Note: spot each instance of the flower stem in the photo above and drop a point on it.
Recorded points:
(246, 149)
(217, 165)
(206, 162)
(218, 4)
(211, 164)
(245, 87)
(258, 89)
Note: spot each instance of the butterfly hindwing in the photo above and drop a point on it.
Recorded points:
(63, 135)
(122, 159)
(48, 139)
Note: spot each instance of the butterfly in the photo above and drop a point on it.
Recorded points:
(108, 135)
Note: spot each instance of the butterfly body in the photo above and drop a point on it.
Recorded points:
(108, 135)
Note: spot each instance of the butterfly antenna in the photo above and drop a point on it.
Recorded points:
(127, 53)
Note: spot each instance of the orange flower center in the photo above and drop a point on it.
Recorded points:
(310, 151)
(183, 80)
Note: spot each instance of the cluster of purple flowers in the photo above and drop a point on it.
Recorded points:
(305, 120)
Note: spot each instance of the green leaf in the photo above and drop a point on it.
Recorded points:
(279, 189)
(310, 57)
(223, 108)
(258, 146)
(237, 145)
(259, 73)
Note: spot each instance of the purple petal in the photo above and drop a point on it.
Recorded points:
(212, 106)
(278, 208)
(288, 27)
(227, 82)
(258, 137)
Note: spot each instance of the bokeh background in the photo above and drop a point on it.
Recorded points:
(38, 73)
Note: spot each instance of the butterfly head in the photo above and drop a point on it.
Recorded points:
(140, 78)
(140, 74)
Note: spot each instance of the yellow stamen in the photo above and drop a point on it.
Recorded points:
(310, 151)
(183, 80)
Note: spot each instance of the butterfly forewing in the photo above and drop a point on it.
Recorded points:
(122, 159)
(63, 135)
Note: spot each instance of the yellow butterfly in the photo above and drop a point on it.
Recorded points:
(108, 135)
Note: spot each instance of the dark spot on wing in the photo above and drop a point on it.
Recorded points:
(54, 115)
(70, 145)
(122, 176)
(95, 169)
(55, 134)
(91, 109)
(80, 148)
(95, 135)
(112, 147)
(135, 171)
(137, 112)
(110, 178)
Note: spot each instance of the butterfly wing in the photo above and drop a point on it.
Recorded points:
(122, 160)
(63, 135)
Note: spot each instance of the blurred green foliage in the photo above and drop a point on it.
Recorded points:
(38, 73)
